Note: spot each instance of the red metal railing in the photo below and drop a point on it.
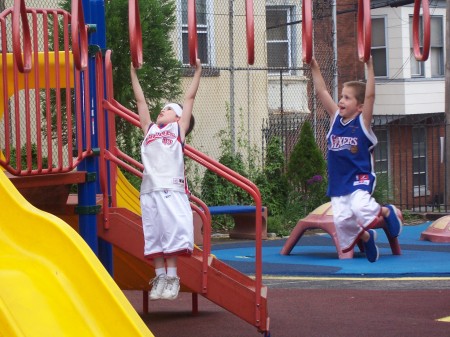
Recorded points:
(39, 136)
(117, 157)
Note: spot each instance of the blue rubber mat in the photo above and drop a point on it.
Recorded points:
(316, 255)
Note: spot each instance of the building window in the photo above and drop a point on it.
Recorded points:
(437, 46)
(279, 37)
(379, 48)
(205, 48)
(436, 56)
(381, 156)
(419, 144)
(417, 68)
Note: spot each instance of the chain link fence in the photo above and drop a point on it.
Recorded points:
(274, 97)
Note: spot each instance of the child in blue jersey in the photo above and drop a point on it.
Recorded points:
(166, 212)
(351, 175)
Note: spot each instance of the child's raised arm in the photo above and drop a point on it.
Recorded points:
(321, 89)
(189, 98)
(369, 99)
(142, 107)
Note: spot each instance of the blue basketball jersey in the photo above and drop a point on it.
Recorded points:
(350, 157)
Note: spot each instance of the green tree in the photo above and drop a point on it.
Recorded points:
(273, 182)
(160, 75)
(306, 164)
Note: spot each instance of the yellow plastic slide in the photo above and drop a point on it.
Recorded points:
(127, 195)
(51, 283)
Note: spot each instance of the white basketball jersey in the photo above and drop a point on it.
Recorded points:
(163, 159)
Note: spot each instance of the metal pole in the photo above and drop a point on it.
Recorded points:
(98, 38)
(231, 55)
(87, 219)
(447, 106)
(335, 55)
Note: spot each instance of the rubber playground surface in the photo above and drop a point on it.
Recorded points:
(313, 293)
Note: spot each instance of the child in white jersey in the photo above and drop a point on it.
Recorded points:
(351, 176)
(166, 213)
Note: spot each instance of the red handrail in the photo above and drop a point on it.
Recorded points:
(421, 56)
(192, 33)
(79, 36)
(115, 156)
(364, 30)
(307, 31)
(242, 182)
(20, 11)
(135, 32)
(250, 28)
(205, 215)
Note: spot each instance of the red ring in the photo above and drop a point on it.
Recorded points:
(80, 55)
(364, 30)
(192, 32)
(307, 30)
(250, 26)
(24, 65)
(421, 56)
(135, 33)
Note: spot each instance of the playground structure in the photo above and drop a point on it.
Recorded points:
(80, 148)
(47, 146)
(322, 218)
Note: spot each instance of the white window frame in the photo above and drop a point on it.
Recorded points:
(382, 155)
(437, 49)
(417, 67)
(385, 47)
(289, 37)
(421, 154)
(382, 148)
(433, 49)
(207, 29)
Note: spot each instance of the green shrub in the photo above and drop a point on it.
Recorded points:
(272, 183)
(216, 190)
(306, 184)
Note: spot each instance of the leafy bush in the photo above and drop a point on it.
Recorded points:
(273, 183)
(216, 190)
(306, 183)
(23, 157)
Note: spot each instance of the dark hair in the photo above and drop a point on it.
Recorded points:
(191, 122)
(191, 125)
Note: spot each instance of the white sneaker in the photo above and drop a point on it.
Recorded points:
(172, 288)
(159, 283)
